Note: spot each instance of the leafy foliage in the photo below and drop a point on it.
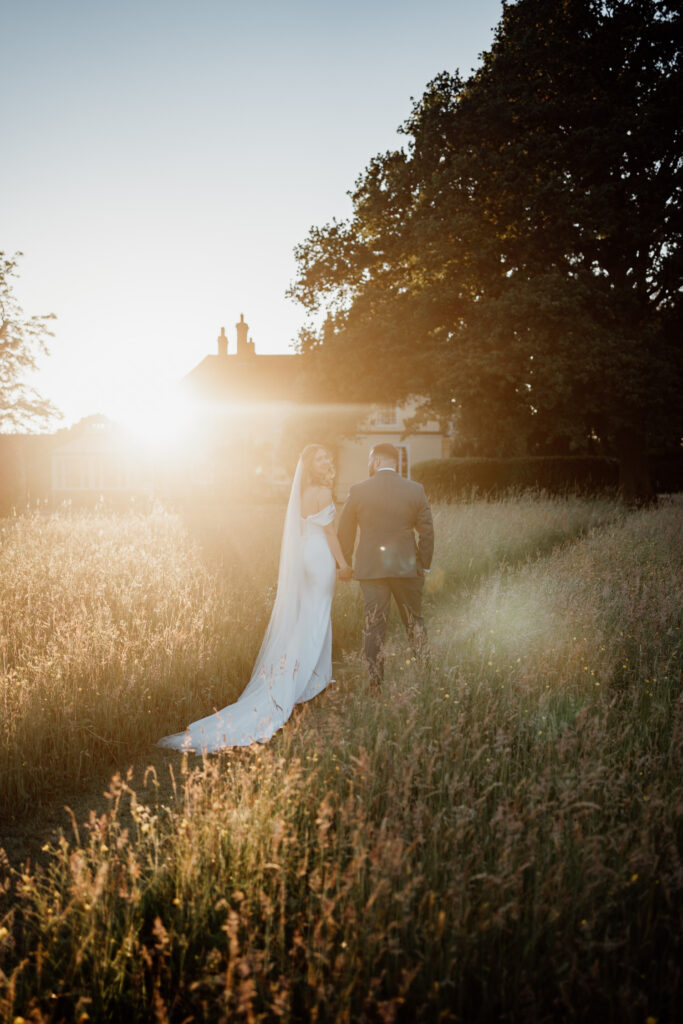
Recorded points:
(446, 479)
(522, 256)
(21, 339)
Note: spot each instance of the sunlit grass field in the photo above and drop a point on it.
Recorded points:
(495, 837)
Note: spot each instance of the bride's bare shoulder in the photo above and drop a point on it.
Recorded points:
(314, 499)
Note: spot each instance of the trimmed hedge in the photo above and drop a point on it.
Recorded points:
(555, 474)
(446, 479)
(667, 473)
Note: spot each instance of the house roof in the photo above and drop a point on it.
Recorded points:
(253, 378)
(91, 444)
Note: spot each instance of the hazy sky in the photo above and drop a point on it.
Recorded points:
(160, 161)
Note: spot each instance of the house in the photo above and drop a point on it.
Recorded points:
(252, 408)
(237, 405)
(98, 459)
(388, 424)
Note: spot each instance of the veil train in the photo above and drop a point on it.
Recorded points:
(286, 653)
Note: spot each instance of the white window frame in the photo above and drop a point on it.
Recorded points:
(380, 419)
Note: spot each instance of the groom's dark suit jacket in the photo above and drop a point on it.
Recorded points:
(388, 509)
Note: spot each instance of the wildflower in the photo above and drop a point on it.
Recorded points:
(634, 878)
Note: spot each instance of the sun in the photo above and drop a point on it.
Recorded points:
(162, 424)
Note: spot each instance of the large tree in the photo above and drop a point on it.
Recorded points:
(22, 339)
(521, 257)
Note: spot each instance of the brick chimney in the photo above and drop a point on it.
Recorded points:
(242, 342)
(222, 343)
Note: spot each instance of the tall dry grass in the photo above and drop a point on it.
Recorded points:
(496, 837)
(115, 630)
(106, 623)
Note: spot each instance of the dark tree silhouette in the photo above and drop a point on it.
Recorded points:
(521, 258)
(22, 338)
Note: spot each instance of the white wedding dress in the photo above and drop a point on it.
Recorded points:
(295, 660)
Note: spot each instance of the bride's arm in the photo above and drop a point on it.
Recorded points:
(335, 547)
(325, 499)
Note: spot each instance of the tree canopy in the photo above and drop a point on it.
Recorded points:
(22, 339)
(520, 259)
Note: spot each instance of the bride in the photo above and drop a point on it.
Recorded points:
(295, 660)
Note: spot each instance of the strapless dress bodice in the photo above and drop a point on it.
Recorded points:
(319, 519)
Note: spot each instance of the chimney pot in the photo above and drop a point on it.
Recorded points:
(242, 335)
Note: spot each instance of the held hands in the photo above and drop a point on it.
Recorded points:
(345, 573)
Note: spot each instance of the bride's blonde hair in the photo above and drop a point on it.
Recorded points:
(310, 476)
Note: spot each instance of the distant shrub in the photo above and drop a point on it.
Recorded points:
(667, 473)
(459, 477)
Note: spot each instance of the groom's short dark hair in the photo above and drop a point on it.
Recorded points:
(385, 451)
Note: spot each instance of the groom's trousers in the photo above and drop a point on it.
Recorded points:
(377, 594)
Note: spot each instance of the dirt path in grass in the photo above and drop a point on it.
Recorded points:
(147, 774)
(25, 837)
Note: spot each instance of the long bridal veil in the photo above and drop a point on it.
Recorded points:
(273, 657)
(268, 699)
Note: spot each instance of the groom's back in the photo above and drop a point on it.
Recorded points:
(388, 509)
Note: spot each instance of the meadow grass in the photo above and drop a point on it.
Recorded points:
(495, 837)
(115, 630)
(106, 623)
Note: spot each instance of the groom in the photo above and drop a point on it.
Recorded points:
(389, 511)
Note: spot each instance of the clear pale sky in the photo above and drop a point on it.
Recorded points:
(161, 159)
